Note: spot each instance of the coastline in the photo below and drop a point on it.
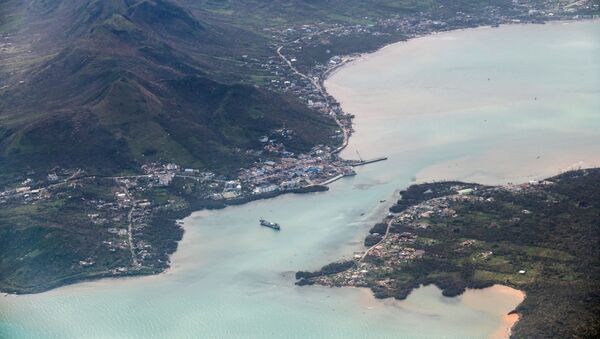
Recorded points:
(360, 56)
(508, 322)
(201, 233)
(195, 206)
(510, 319)
(227, 276)
(427, 246)
(166, 217)
(348, 60)
(446, 170)
(472, 297)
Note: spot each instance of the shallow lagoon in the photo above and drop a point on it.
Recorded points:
(428, 105)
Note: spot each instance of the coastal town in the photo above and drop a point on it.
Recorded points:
(182, 168)
(391, 243)
(460, 236)
(294, 70)
(130, 200)
(129, 203)
(402, 238)
(285, 172)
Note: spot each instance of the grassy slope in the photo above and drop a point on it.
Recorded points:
(42, 244)
(48, 240)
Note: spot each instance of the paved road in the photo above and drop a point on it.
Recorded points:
(323, 93)
(134, 260)
(387, 231)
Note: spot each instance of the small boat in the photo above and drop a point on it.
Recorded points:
(269, 224)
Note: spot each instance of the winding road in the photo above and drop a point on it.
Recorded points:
(387, 231)
(323, 93)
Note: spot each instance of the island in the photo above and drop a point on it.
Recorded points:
(540, 237)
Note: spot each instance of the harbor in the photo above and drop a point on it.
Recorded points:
(366, 162)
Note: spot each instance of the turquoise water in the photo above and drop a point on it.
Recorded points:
(428, 106)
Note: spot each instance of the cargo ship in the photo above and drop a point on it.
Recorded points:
(269, 224)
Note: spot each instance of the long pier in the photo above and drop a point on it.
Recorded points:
(329, 181)
(370, 161)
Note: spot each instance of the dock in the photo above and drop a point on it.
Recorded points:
(370, 161)
(329, 181)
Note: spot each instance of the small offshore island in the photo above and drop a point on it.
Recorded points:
(540, 237)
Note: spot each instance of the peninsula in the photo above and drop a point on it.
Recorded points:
(541, 237)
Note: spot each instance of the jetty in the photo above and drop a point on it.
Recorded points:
(329, 181)
(369, 161)
(353, 163)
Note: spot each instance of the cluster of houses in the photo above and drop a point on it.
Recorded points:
(31, 191)
(126, 214)
(386, 257)
(298, 39)
(282, 170)
(396, 247)
(292, 172)
(302, 78)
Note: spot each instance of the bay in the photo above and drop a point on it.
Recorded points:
(513, 103)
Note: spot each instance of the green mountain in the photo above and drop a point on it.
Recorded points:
(104, 84)
(109, 85)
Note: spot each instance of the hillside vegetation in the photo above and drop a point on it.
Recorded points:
(118, 117)
(542, 238)
(105, 85)
(109, 85)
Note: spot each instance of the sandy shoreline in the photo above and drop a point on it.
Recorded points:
(509, 319)
(348, 60)
(477, 299)
(358, 57)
